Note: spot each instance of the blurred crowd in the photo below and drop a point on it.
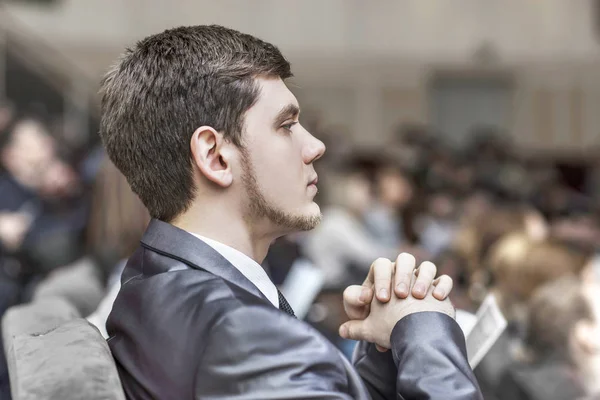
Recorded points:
(495, 221)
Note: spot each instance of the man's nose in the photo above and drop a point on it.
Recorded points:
(313, 150)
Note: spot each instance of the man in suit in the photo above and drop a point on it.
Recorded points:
(201, 123)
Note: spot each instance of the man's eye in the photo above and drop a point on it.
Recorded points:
(288, 127)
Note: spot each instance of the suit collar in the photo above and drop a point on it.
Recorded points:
(176, 243)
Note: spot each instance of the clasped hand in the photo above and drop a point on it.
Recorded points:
(376, 306)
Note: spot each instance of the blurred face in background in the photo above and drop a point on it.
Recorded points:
(585, 339)
(536, 226)
(476, 205)
(592, 329)
(60, 180)
(358, 193)
(31, 158)
(591, 270)
(441, 205)
(29, 153)
(394, 189)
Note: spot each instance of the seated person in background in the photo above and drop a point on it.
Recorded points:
(393, 191)
(520, 266)
(439, 225)
(42, 212)
(202, 125)
(342, 246)
(563, 345)
(115, 226)
(36, 231)
(117, 223)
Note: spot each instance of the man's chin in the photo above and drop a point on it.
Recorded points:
(305, 222)
(313, 217)
(289, 222)
(313, 221)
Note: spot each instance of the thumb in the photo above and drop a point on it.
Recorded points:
(355, 330)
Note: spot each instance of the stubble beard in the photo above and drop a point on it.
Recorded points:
(260, 208)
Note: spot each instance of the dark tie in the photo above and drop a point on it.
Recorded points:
(284, 305)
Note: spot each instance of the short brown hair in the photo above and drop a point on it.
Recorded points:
(554, 311)
(167, 86)
(528, 264)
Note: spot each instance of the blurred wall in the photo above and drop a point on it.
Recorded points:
(367, 66)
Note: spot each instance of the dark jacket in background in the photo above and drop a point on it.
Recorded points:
(55, 236)
(551, 380)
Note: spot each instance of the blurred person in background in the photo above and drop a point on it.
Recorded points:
(519, 265)
(117, 220)
(38, 228)
(10, 286)
(42, 208)
(451, 263)
(578, 226)
(475, 204)
(341, 245)
(439, 224)
(562, 358)
(591, 270)
(383, 218)
(410, 146)
(477, 235)
(116, 223)
(202, 125)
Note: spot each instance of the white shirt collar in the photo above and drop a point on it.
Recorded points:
(247, 266)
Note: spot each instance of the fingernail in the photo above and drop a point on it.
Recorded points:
(364, 295)
(381, 349)
(383, 293)
(343, 331)
(402, 288)
(420, 288)
(439, 292)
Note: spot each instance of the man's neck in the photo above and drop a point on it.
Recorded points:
(227, 227)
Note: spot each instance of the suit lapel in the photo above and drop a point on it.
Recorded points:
(170, 241)
(176, 243)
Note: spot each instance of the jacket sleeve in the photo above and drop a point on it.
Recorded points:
(427, 362)
(258, 353)
(377, 370)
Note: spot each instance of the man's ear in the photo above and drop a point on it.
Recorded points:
(211, 155)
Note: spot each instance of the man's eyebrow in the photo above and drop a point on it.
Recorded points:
(291, 110)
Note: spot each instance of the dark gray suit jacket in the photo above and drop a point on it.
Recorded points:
(189, 325)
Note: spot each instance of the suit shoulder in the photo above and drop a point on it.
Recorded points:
(179, 294)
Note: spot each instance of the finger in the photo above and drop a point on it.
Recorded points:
(443, 287)
(355, 330)
(383, 269)
(425, 275)
(381, 349)
(356, 301)
(370, 279)
(405, 265)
